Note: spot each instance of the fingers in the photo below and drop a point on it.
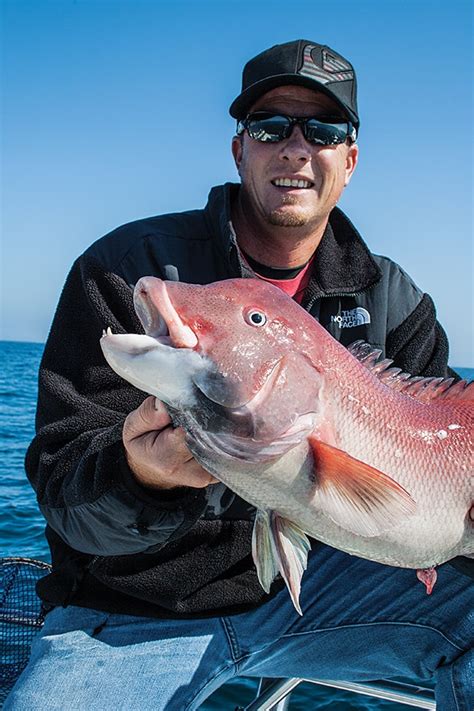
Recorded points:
(151, 415)
(174, 463)
(192, 474)
(174, 441)
(157, 453)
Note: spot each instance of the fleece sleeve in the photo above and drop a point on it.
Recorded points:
(76, 462)
(419, 344)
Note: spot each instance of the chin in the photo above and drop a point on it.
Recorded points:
(287, 218)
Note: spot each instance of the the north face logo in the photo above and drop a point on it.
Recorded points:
(351, 318)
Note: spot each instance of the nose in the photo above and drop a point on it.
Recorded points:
(295, 148)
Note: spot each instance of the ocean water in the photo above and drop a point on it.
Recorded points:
(22, 526)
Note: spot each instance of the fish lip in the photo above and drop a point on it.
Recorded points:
(124, 343)
(132, 345)
(151, 319)
(158, 316)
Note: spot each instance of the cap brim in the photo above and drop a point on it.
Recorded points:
(243, 103)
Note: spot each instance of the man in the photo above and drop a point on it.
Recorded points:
(155, 595)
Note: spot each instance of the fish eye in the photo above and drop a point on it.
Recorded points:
(254, 317)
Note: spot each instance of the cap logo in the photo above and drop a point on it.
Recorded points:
(333, 68)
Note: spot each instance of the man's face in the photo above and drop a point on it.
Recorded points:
(327, 169)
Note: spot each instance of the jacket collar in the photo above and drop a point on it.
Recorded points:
(343, 264)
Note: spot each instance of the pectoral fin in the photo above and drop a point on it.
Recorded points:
(278, 545)
(356, 496)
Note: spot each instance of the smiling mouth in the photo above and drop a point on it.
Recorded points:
(290, 183)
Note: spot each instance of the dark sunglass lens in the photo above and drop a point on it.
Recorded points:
(268, 128)
(325, 134)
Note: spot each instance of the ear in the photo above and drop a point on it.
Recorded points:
(351, 161)
(237, 149)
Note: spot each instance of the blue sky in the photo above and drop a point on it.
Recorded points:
(116, 110)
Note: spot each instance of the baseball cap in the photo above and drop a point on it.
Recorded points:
(304, 63)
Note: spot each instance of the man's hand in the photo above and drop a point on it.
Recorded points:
(157, 453)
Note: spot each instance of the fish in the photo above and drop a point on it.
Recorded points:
(326, 442)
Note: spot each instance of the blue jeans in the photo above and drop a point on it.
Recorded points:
(362, 621)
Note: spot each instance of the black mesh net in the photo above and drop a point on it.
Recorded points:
(21, 616)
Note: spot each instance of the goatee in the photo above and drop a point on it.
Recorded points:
(282, 218)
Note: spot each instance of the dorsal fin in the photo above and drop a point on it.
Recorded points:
(423, 389)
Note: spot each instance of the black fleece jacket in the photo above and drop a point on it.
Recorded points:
(116, 545)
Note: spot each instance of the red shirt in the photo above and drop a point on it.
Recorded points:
(296, 286)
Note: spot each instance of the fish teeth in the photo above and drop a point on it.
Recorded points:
(107, 332)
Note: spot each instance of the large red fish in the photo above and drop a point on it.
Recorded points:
(323, 441)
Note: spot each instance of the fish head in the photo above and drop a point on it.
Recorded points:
(243, 349)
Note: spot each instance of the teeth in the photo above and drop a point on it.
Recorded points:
(287, 183)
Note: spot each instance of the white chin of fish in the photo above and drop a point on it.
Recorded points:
(153, 365)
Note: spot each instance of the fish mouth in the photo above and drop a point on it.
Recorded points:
(167, 362)
(164, 360)
(162, 322)
(158, 316)
(163, 325)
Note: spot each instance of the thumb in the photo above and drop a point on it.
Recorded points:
(151, 415)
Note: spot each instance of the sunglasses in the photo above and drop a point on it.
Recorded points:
(266, 127)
